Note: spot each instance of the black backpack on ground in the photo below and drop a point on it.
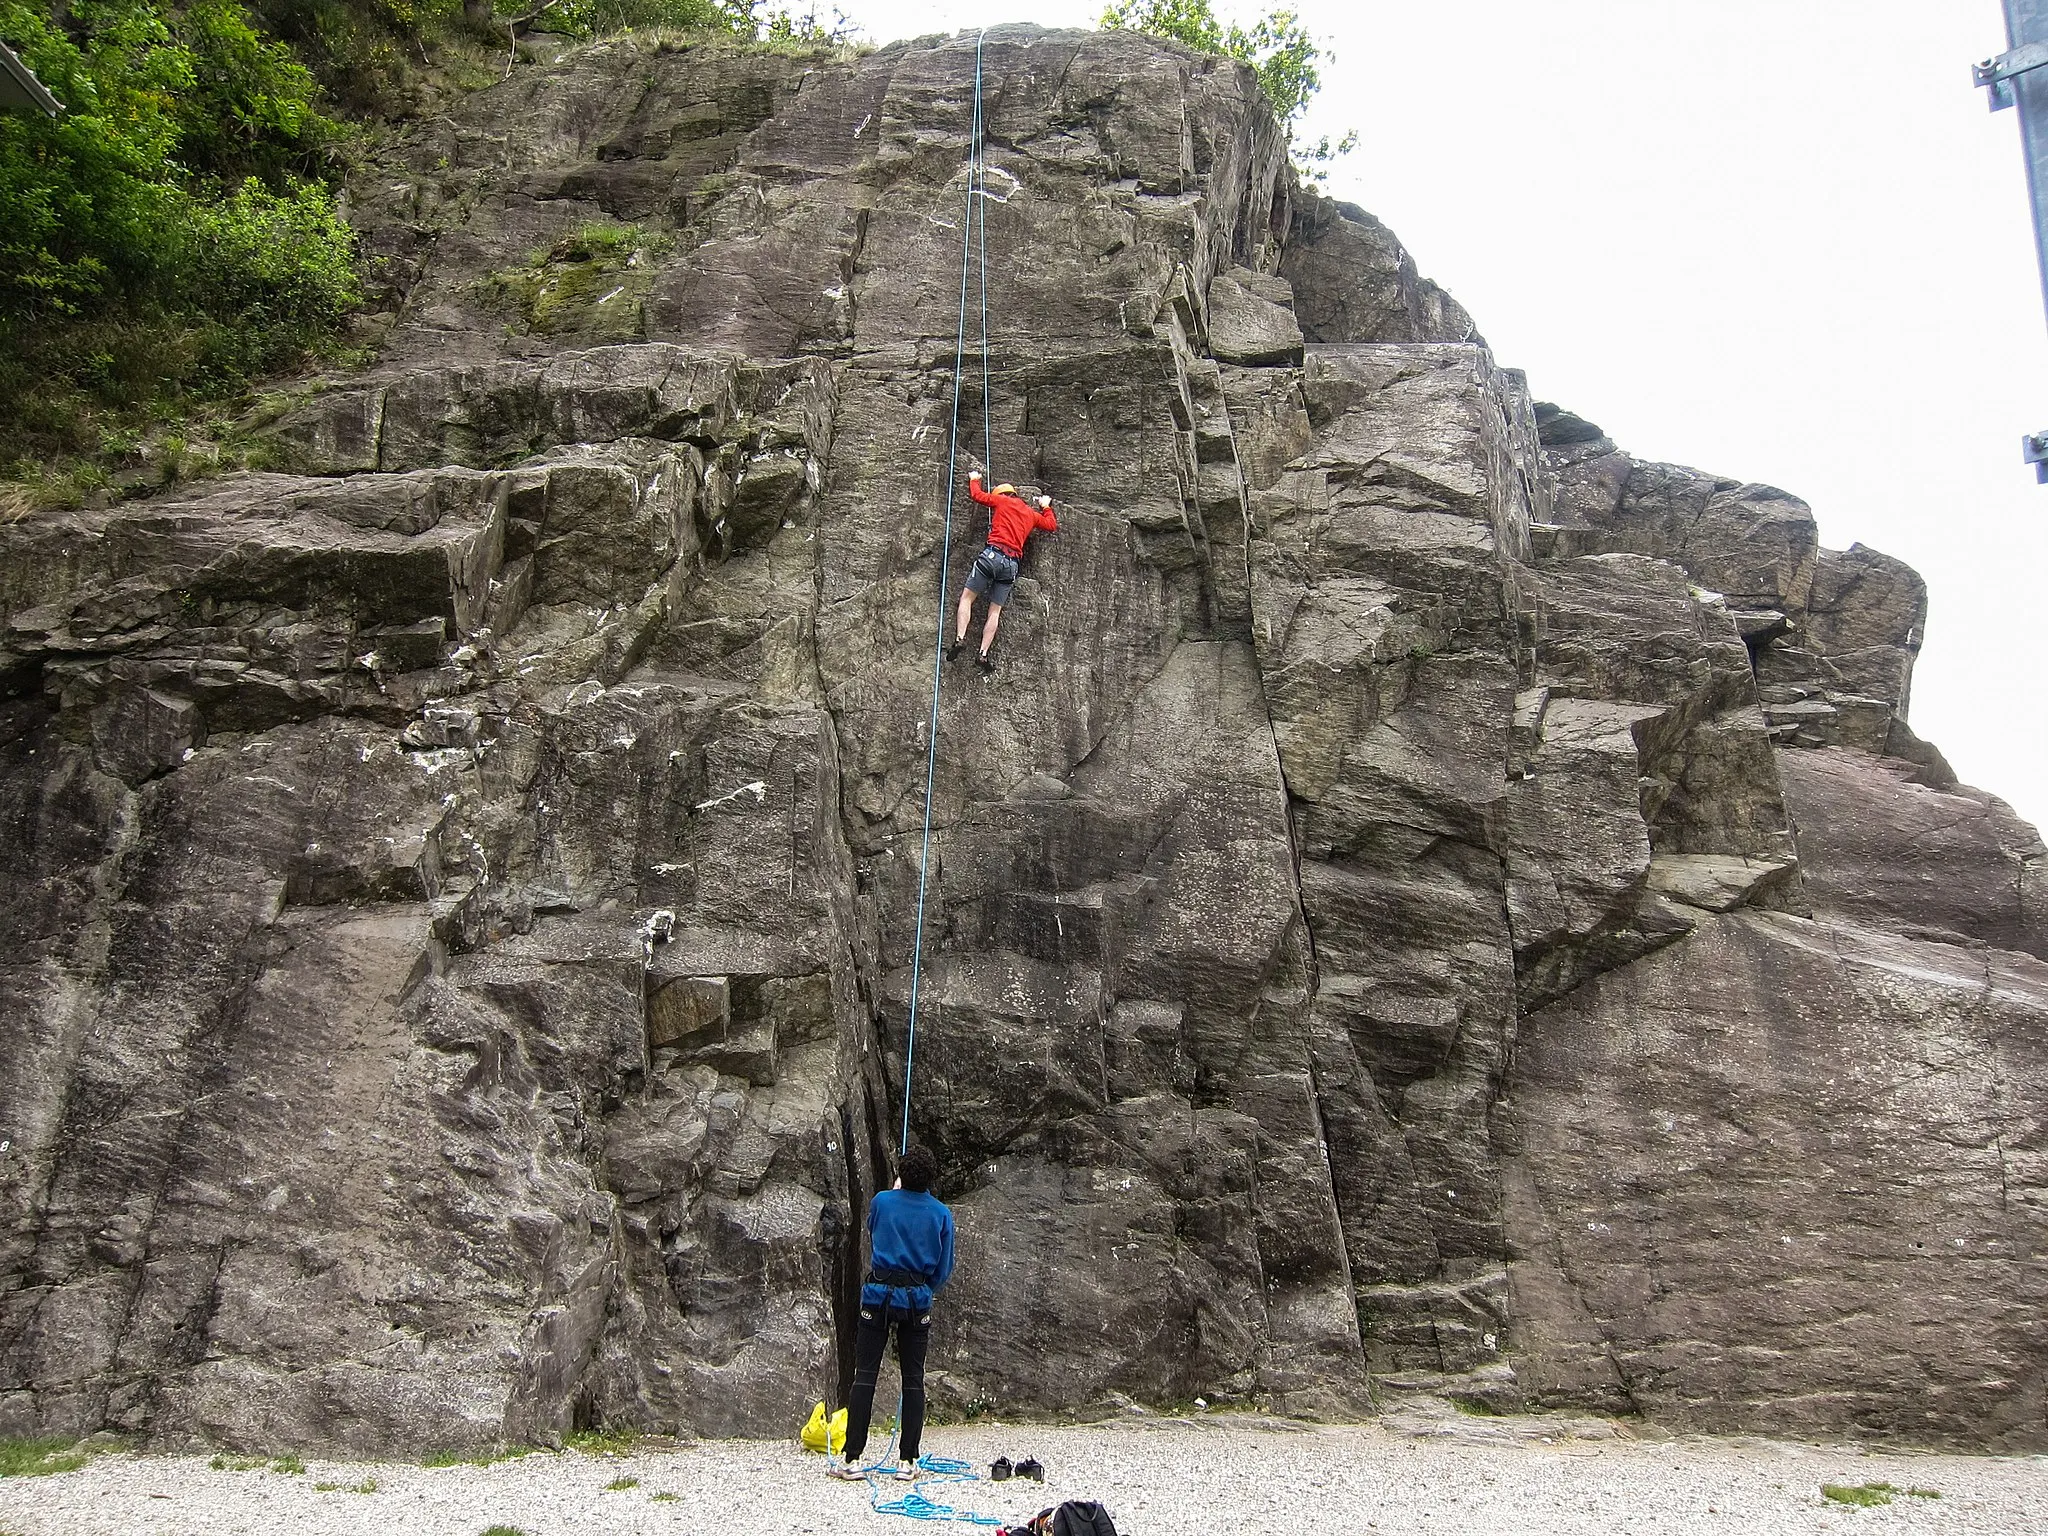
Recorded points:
(1076, 1517)
(1082, 1517)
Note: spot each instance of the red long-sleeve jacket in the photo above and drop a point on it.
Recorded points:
(1011, 519)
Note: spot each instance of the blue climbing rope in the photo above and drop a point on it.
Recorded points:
(931, 758)
(916, 1504)
(980, 196)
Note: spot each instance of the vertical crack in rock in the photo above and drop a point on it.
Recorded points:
(1425, 902)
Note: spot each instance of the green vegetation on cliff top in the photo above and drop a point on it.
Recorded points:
(173, 232)
(177, 232)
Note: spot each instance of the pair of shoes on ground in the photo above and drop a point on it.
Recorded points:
(847, 1472)
(1002, 1469)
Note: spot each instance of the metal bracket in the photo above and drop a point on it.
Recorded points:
(2034, 449)
(1998, 73)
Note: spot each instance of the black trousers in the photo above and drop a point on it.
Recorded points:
(870, 1340)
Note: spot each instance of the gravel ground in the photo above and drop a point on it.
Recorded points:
(1160, 1477)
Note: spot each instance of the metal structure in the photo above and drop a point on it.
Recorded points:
(20, 90)
(2019, 78)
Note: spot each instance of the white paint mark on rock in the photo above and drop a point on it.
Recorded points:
(757, 789)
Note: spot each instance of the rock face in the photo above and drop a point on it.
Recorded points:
(1424, 902)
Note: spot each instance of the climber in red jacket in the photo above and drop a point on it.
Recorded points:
(1011, 520)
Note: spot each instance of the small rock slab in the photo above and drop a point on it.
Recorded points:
(1717, 882)
(1246, 324)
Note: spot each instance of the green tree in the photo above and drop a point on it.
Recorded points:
(596, 18)
(753, 20)
(788, 26)
(251, 108)
(1279, 49)
(173, 230)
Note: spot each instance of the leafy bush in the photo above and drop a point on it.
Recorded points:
(282, 262)
(175, 233)
(385, 57)
(595, 18)
(161, 127)
(749, 19)
(788, 26)
(172, 231)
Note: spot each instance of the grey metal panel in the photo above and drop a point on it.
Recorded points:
(2020, 78)
(20, 90)
(2026, 21)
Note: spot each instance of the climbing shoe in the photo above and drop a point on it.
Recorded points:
(954, 648)
(846, 1472)
(1030, 1468)
(999, 1470)
(986, 662)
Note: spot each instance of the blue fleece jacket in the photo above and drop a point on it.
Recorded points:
(912, 1231)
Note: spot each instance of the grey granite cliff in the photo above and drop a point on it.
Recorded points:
(1425, 903)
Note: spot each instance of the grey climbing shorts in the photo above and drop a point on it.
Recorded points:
(994, 573)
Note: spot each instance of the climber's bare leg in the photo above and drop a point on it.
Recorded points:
(966, 615)
(988, 630)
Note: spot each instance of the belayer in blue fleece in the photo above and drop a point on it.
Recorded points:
(910, 1258)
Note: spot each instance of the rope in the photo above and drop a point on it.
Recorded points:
(915, 1504)
(931, 758)
(988, 444)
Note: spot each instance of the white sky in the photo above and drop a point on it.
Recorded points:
(1782, 240)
